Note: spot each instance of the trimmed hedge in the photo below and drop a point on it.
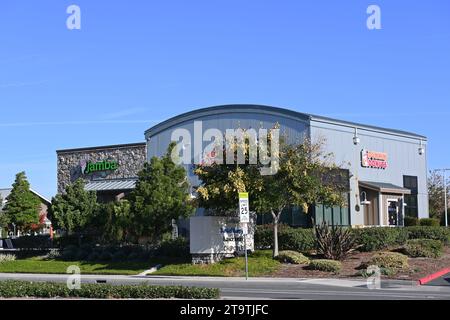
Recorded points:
(368, 239)
(389, 260)
(292, 257)
(19, 289)
(379, 238)
(325, 265)
(293, 239)
(411, 221)
(424, 248)
(429, 222)
(32, 242)
(429, 232)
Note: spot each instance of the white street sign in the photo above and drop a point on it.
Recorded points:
(244, 210)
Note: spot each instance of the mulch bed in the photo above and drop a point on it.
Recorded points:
(418, 268)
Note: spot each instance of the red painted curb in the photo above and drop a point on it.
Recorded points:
(433, 276)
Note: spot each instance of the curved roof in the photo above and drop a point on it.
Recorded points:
(269, 110)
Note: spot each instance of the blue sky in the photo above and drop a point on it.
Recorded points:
(135, 63)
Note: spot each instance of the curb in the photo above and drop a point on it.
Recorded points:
(433, 276)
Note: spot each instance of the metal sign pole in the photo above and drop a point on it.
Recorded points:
(445, 198)
(246, 257)
(244, 217)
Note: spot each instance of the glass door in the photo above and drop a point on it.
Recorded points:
(393, 212)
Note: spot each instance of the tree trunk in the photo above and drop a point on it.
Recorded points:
(275, 234)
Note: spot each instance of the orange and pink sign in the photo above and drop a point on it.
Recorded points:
(372, 159)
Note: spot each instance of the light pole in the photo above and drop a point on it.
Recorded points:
(445, 194)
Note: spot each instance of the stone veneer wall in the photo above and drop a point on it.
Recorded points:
(131, 159)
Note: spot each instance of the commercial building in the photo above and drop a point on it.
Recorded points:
(45, 224)
(386, 169)
(111, 171)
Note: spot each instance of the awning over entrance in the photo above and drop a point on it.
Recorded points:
(110, 185)
(384, 187)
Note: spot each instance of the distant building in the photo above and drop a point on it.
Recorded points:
(45, 225)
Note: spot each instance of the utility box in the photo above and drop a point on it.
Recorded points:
(214, 238)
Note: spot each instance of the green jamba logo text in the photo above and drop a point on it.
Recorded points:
(92, 167)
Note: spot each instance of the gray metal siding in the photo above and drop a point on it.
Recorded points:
(403, 159)
(294, 130)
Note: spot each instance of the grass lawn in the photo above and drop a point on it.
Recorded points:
(260, 264)
(34, 265)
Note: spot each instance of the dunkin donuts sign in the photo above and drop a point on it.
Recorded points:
(372, 159)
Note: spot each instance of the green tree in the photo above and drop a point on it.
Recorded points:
(22, 206)
(116, 221)
(161, 195)
(305, 176)
(4, 221)
(74, 209)
(436, 195)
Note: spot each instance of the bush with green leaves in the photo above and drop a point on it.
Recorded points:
(389, 260)
(410, 221)
(431, 222)
(429, 232)
(7, 258)
(334, 242)
(292, 257)
(379, 238)
(32, 242)
(19, 289)
(427, 248)
(325, 265)
(53, 254)
(176, 248)
(295, 239)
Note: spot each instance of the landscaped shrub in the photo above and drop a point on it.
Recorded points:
(325, 265)
(7, 257)
(53, 254)
(105, 256)
(424, 248)
(119, 256)
(295, 239)
(379, 238)
(429, 222)
(389, 260)
(292, 257)
(178, 248)
(70, 253)
(18, 289)
(334, 242)
(32, 242)
(429, 232)
(411, 221)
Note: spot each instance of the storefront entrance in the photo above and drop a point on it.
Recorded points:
(392, 210)
(383, 203)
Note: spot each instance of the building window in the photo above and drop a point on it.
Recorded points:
(411, 183)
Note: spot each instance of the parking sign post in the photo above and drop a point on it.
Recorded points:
(244, 217)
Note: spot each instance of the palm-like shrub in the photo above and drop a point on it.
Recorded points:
(334, 242)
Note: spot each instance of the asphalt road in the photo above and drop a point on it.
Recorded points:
(267, 288)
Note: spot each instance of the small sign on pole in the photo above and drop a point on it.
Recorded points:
(244, 216)
(244, 210)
